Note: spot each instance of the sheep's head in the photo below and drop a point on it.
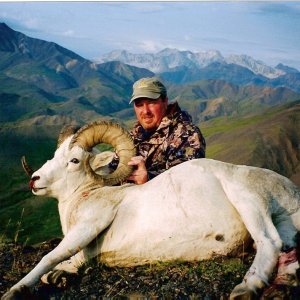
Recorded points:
(75, 160)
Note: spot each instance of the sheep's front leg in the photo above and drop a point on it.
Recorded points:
(65, 270)
(74, 241)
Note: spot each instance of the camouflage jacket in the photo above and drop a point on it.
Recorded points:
(176, 140)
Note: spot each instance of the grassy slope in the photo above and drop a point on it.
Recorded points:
(269, 140)
(23, 216)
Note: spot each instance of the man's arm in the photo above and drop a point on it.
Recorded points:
(188, 145)
(185, 144)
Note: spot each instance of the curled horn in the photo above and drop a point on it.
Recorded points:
(28, 170)
(110, 133)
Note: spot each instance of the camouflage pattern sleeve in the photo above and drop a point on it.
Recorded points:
(187, 143)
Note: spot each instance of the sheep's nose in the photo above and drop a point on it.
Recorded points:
(33, 179)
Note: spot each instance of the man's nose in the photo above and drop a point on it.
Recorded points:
(146, 108)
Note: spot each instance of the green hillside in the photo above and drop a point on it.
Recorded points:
(270, 139)
(207, 99)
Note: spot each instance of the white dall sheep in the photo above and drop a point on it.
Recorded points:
(196, 210)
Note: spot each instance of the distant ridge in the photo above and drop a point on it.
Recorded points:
(168, 59)
(186, 66)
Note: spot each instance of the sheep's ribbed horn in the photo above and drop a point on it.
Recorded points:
(66, 131)
(28, 170)
(110, 133)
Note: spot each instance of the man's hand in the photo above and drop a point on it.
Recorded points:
(139, 175)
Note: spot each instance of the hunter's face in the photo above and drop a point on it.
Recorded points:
(150, 112)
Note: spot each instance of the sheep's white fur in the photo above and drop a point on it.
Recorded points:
(196, 210)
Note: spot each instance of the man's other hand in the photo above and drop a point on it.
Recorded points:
(139, 175)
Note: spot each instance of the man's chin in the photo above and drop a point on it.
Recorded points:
(148, 125)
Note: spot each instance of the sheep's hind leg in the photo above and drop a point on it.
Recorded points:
(288, 274)
(287, 280)
(268, 243)
(288, 266)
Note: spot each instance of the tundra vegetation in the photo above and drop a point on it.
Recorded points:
(128, 225)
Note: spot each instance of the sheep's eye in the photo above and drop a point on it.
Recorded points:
(74, 161)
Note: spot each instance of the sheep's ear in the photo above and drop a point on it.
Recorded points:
(102, 159)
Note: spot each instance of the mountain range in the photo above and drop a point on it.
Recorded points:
(168, 59)
(185, 66)
(44, 84)
(40, 78)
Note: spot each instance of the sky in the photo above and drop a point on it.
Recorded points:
(268, 31)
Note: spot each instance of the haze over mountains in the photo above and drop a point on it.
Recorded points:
(168, 59)
(249, 112)
(186, 66)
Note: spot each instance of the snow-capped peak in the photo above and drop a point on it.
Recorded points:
(256, 66)
(169, 58)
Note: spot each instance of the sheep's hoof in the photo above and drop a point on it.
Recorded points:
(59, 278)
(241, 292)
(21, 293)
(276, 291)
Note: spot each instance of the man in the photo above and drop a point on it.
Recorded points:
(164, 134)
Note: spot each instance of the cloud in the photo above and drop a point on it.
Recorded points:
(31, 23)
(149, 7)
(21, 21)
(290, 9)
(149, 46)
(187, 37)
(68, 33)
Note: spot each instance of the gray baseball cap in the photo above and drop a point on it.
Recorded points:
(148, 87)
